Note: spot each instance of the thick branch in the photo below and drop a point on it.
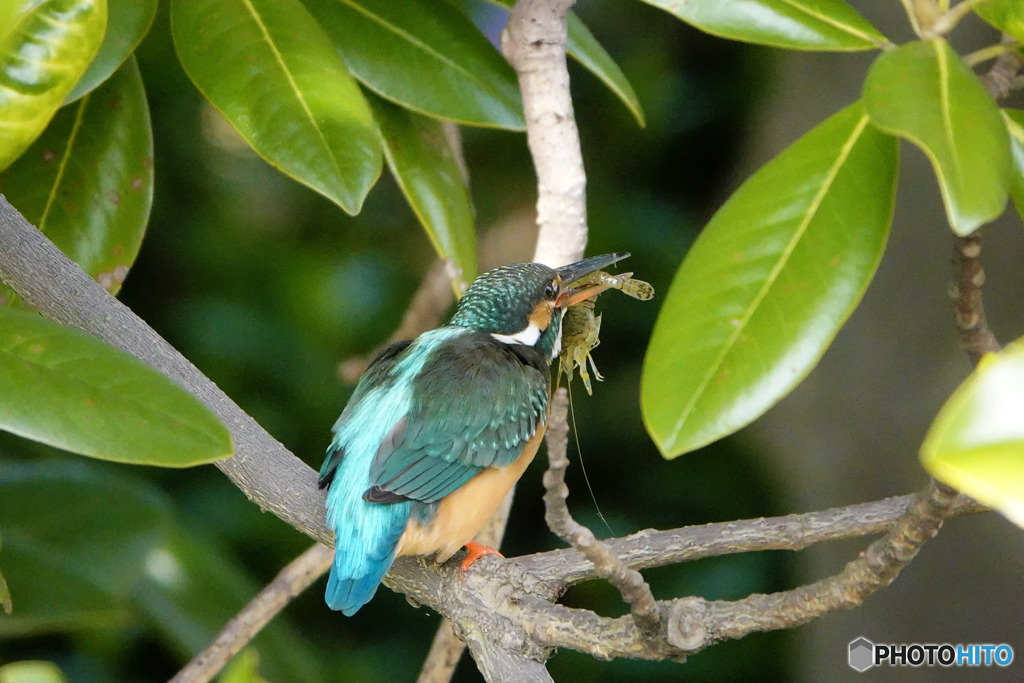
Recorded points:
(262, 467)
(534, 43)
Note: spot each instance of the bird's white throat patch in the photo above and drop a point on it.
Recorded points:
(528, 336)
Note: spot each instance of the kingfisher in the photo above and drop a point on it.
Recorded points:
(440, 428)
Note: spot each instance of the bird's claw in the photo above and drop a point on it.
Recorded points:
(474, 552)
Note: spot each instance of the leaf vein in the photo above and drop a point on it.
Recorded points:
(787, 252)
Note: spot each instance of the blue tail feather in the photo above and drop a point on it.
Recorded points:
(366, 538)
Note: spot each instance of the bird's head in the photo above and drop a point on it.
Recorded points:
(523, 303)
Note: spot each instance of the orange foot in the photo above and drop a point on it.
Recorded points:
(476, 551)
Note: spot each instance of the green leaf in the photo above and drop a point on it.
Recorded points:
(924, 93)
(31, 671)
(584, 48)
(976, 443)
(1005, 15)
(71, 575)
(1014, 120)
(44, 50)
(426, 56)
(423, 163)
(127, 23)
(270, 69)
(87, 182)
(769, 282)
(794, 24)
(64, 388)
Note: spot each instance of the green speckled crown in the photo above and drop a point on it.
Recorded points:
(501, 300)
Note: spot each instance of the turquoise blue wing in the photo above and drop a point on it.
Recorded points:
(476, 404)
(377, 373)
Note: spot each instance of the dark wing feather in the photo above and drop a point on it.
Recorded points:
(376, 373)
(475, 405)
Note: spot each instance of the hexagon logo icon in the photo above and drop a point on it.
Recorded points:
(862, 654)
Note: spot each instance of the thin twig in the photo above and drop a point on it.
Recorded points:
(243, 627)
(635, 591)
(1001, 78)
(874, 569)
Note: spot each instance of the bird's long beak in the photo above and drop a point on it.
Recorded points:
(571, 296)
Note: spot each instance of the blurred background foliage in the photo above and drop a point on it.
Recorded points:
(267, 287)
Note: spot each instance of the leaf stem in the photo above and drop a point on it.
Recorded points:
(947, 21)
(986, 53)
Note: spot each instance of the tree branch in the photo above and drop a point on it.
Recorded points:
(971, 325)
(534, 43)
(630, 584)
(1001, 78)
(243, 627)
(560, 569)
(693, 624)
(262, 467)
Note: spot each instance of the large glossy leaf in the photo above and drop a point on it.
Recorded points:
(44, 49)
(274, 74)
(127, 22)
(1014, 119)
(426, 56)
(1005, 15)
(31, 671)
(795, 24)
(64, 388)
(924, 93)
(87, 182)
(584, 48)
(976, 443)
(76, 539)
(769, 282)
(423, 163)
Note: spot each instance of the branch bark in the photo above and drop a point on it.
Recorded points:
(262, 467)
(243, 627)
(534, 43)
(630, 584)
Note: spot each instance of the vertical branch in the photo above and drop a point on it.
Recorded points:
(534, 43)
(630, 583)
(968, 277)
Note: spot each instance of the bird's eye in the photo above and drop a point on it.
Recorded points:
(551, 290)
